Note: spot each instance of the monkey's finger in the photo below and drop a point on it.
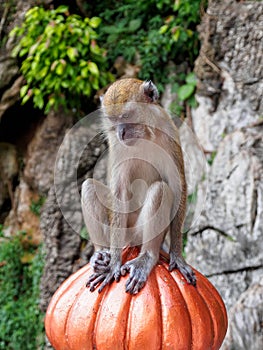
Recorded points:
(129, 287)
(188, 274)
(109, 278)
(139, 285)
(117, 276)
(125, 269)
(190, 278)
(103, 262)
(101, 268)
(91, 278)
(135, 283)
(96, 282)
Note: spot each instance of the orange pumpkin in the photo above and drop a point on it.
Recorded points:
(166, 314)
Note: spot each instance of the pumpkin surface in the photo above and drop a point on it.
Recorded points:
(166, 314)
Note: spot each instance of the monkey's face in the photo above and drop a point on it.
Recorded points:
(129, 133)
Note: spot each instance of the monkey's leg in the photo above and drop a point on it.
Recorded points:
(152, 224)
(94, 197)
(118, 241)
(176, 259)
(107, 264)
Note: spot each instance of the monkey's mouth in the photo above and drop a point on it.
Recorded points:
(127, 133)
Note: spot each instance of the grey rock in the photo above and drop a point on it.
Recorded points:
(61, 219)
(246, 320)
(229, 236)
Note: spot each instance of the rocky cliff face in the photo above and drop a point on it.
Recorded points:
(227, 243)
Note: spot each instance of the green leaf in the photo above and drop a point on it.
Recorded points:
(94, 48)
(185, 91)
(94, 22)
(15, 51)
(39, 101)
(191, 78)
(62, 9)
(192, 102)
(85, 72)
(93, 68)
(60, 68)
(135, 24)
(23, 90)
(163, 29)
(176, 34)
(111, 29)
(72, 53)
(84, 233)
(25, 99)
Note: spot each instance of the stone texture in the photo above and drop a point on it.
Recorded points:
(229, 69)
(61, 219)
(233, 213)
(21, 217)
(11, 96)
(226, 244)
(42, 150)
(245, 321)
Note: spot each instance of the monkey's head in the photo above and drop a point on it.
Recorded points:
(128, 90)
(124, 106)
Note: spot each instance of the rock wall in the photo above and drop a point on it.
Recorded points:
(227, 242)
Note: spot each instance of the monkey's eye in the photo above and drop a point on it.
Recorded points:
(124, 115)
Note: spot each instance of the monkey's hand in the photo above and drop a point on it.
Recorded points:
(100, 260)
(139, 269)
(104, 277)
(186, 270)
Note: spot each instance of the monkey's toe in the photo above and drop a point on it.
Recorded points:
(137, 277)
(185, 270)
(135, 283)
(100, 261)
(94, 280)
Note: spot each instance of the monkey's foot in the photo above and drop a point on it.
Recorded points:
(186, 270)
(104, 278)
(100, 260)
(139, 269)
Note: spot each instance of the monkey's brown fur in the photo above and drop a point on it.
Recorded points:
(146, 192)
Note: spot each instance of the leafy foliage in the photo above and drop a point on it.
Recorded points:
(36, 206)
(184, 88)
(150, 34)
(21, 322)
(61, 59)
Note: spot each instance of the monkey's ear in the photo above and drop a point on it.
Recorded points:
(150, 90)
(101, 99)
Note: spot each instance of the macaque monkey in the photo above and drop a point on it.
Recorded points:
(145, 198)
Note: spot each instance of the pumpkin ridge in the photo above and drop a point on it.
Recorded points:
(70, 310)
(128, 326)
(66, 284)
(159, 301)
(187, 308)
(208, 308)
(205, 316)
(68, 314)
(125, 344)
(209, 285)
(158, 297)
(103, 292)
(215, 300)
